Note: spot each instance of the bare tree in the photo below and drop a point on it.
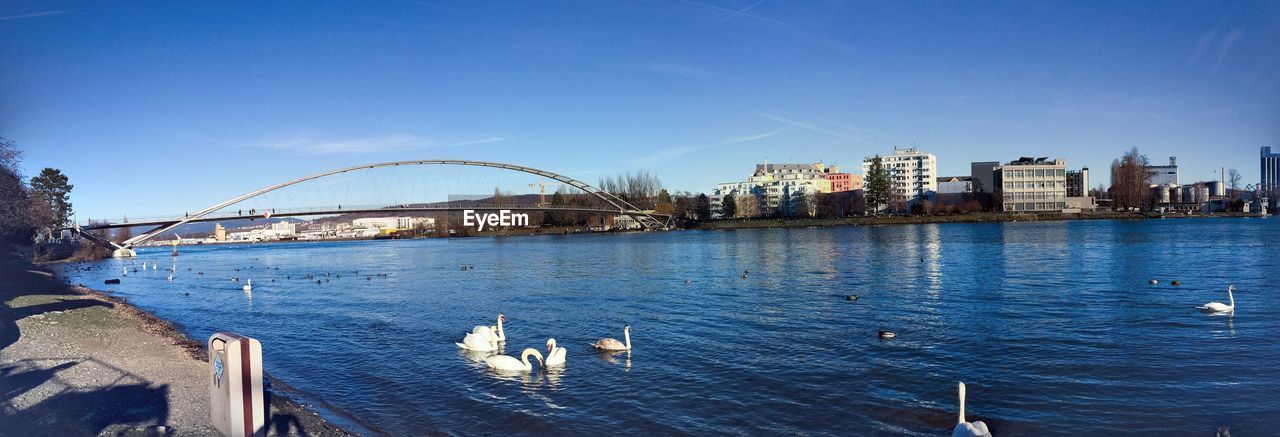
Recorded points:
(1233, 182)
(748, 206)
(1130, 181)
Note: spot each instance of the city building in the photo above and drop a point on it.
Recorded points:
(1033, 185)
(983, 176)
(955, 185)
(912, 175)
(219, 233)
(775, 187)
(1270, 170)
(1164, 174)
(1078, 183)
(841, 182)
(388, 225)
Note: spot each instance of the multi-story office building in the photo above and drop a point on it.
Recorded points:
(1164, 174)
(912, 175)
(1270, 171)
(1078, 183)
(1033, 184)
(775, 187)
(983, 175)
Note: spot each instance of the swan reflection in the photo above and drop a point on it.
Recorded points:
(612, 357)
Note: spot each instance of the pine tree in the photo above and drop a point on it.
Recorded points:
(703, 207)
(728, 206)
(877, 186)
(51, 186)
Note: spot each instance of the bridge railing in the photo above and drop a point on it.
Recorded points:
(244, 213)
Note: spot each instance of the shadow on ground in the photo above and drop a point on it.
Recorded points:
(127, 400)
(39, 396)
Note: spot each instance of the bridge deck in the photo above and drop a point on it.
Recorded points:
(357, 210)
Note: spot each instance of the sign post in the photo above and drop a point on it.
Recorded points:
(235, 385)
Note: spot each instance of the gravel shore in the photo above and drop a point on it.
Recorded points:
(77, 362)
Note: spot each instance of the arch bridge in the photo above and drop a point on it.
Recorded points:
(612, 204)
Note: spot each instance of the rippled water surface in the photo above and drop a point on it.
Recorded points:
(1053, 326)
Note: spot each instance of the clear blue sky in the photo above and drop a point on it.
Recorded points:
(162, 107)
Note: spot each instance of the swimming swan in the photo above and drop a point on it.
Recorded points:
(480, 341)
(1218, 307)
(496, 332)
(610, 344)
(510, 363)
(966, 429)
(555, 355)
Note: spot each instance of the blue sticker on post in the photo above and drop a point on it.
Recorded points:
(217, 370)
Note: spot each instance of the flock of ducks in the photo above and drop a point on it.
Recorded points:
(487, 338)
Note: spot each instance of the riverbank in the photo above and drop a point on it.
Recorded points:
(989, 217)
(74, 361)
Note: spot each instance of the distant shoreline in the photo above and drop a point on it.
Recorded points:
(767, 223)
(990, 217)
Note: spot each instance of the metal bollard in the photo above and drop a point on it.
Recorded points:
(235, 386)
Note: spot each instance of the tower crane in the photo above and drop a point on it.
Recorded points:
(542, 191)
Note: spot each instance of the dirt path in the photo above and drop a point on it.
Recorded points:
(76, 362)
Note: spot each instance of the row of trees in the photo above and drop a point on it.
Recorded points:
(29, 211)
(640, 189)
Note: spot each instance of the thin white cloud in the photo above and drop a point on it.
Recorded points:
(1228, 41)
(665, 154)
(477, 141)
(746, 138)
(735, 13)
(306, 145)
(33, 15)
(739, 12)
(674, 69)
(814, 127)
(1206, 41)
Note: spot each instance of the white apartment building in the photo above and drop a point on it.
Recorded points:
(912, 174)
(776, 186)
(1033, 184)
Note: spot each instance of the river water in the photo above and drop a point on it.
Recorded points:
(1053, 326)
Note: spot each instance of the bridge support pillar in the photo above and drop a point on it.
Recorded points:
(124, 252)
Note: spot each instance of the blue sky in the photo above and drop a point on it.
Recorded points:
(154, 108)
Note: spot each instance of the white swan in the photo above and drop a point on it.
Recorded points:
(1218, 307)
(495, 332)
(966, 429)
(610, 344)
(248, 286)
(510, 363)
(555, 355)
(481, 341)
